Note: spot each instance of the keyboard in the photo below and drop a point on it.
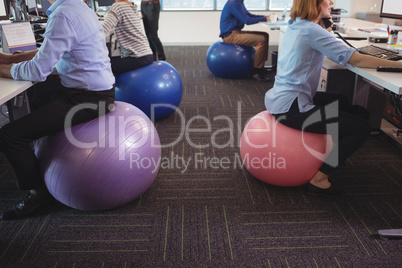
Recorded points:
(380, 52)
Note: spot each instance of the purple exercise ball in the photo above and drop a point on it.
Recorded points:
(104, 163)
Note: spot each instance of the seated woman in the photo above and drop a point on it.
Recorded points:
(294, 100)
(124, 18)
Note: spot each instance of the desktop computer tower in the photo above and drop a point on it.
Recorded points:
(372, 97)
(336, 78)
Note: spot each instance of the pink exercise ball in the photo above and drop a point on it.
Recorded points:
(280, 155)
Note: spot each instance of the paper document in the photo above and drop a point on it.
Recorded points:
(17, 36)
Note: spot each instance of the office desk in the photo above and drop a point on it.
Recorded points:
(388, 80)
(11, 88)
(362, 28)
(275, 25)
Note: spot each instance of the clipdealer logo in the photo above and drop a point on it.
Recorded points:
(223, 125)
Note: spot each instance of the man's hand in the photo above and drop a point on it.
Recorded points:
(4, 59)
(18, 57)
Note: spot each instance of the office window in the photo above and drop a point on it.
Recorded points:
(218, 4)
(188, 4)
(280, 4)
(256, 4)
(250, 4)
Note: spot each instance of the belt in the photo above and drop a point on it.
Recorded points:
(150, 2)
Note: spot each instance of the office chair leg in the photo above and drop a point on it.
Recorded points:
(395, 233)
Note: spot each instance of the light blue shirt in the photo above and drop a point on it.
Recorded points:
(305, 44)
(75, 45)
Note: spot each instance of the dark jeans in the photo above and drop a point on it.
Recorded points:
(50, 103)
(348, 131)
(122, 65)
(151, 24)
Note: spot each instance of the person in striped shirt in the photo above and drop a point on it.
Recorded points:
(124, 19)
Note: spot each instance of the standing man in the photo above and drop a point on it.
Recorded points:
(75, 45)
(150, 10)
(233, 18)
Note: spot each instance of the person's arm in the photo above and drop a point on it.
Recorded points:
(18, 57)
(367, 61)
(7, 60)
(110, 21)
(241, 13)
(5, 71)
(60, 38)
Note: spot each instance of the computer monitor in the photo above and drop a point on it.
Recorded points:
(43, 5)
(31, 6)
(391, 9)
(102, 6)
(3, 10)
(105, 3)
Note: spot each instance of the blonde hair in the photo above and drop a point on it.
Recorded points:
(306, 10)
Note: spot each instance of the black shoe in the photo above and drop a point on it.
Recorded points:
(261, 77)
(332, 190)
(27, 206)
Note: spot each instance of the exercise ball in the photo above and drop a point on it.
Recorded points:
(280, 155)
(104, 163)
(156, 89)
(230, 61)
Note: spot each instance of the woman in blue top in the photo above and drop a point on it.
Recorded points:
(293, 99)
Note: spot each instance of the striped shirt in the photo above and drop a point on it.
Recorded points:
(125, 20)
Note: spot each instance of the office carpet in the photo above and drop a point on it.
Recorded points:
(204, 213)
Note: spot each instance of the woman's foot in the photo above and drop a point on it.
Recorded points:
(331, 190)
(320, 185)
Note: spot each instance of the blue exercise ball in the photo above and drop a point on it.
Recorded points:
(230, 61)
(156, 89)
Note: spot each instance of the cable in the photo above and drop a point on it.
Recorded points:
(343, 39)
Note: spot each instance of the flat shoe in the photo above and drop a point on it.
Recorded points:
(331, 191)
(27, 207)
(261, 77)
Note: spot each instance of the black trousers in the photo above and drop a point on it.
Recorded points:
(122, 65)
(50, 103)
(331, 115)
(150, 15)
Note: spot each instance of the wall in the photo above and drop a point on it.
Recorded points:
(354, 6)
(200, 27)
